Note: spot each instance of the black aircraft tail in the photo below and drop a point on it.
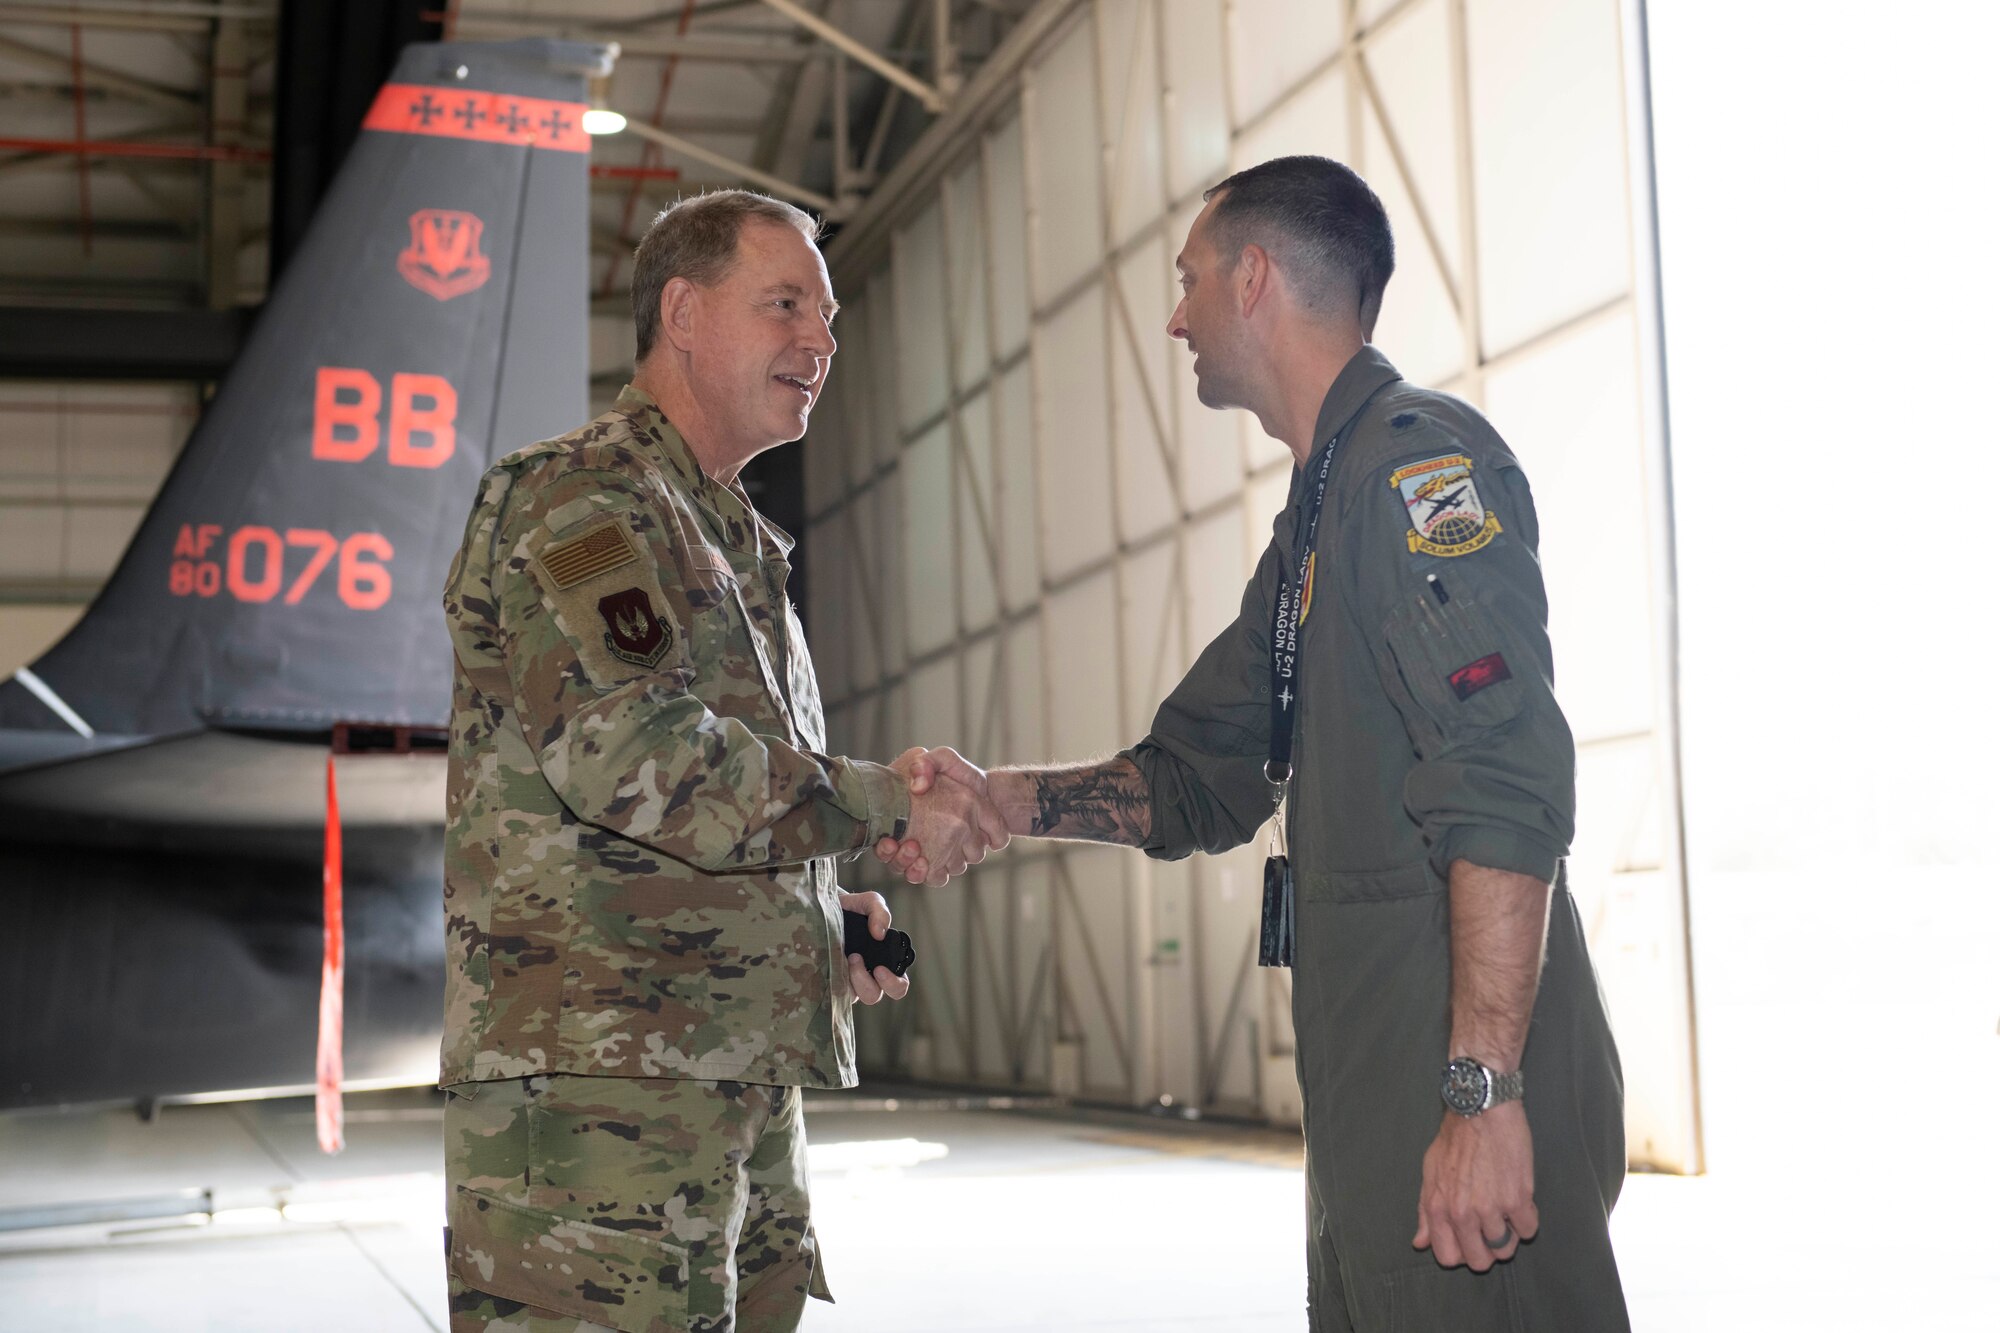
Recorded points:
(287, 578)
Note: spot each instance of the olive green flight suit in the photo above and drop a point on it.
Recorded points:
(1426, 731)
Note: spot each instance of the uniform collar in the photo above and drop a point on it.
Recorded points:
(735, 521)
(1365, 372)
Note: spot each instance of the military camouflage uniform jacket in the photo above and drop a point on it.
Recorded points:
(640, 824)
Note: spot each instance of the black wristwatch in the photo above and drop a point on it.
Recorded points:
(1470, 1087)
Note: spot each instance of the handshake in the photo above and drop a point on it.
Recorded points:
(956, 817)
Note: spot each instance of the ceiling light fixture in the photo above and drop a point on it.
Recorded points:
(600, 118)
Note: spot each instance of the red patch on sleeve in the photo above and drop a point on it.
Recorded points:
(1473, 677)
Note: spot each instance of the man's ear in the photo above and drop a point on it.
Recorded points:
(1255, 280)
(678, 314)
(1371, 309)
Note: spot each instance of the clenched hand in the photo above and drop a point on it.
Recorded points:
(869, 988)
(1478, 1199)
(953, 823)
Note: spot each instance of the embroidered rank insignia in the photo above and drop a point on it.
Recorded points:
(633, 632)
(1446, 517)
(599, 551)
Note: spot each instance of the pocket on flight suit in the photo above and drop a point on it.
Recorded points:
(632, 1283)
(1427, 1298)
(1366, 886)
(1457, 663)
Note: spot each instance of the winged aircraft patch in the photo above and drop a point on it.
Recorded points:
(1446, 517)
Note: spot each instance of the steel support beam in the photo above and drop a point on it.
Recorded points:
(785, 99)
(944, 50)
(119, 344)
(844, 184)
(762, 179)
(137, 148)
(996, 80)
(808, 103)
(139, 17)
(228, 107)
(710, 122)
(103, 229)
(694, 46)
(618, 180)
(96, 76)
(933, 100)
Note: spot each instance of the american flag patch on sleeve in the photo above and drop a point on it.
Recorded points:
(598, 551)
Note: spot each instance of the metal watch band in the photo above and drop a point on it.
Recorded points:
(1504, 1088)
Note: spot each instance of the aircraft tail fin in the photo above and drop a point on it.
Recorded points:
(288, 575)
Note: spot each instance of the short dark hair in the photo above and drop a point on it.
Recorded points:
(1321, 223)
(695, 238)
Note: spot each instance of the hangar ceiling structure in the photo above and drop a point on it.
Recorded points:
(1026, 527)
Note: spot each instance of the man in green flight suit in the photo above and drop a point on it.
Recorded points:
(1428, 780)
(642, 917)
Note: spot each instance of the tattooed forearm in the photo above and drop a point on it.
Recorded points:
(1101, 802)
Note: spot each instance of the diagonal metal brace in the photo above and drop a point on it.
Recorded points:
(934, 101)
(776, 185)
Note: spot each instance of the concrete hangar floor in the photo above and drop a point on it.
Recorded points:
(936, 1212)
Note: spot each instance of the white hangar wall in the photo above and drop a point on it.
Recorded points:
(1829, 274)
(1023, 527)
(79, 464)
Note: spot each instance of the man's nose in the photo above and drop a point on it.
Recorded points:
(1177, 322)
(819, 339)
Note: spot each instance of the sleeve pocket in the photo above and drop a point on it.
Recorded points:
(1458, 667)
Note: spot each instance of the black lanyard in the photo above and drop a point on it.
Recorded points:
(1293, 589)
(1294, 592)
(1277, 935)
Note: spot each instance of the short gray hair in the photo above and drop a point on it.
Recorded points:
(695, 238)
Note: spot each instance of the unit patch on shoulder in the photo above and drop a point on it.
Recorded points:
(1446, 517)
(602, 549)
(633, 631)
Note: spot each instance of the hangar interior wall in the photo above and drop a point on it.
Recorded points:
(1023, 526)
(79, 464)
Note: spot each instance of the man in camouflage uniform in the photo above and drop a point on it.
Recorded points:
(641, 909)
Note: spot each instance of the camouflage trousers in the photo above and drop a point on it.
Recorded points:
(643, 1205)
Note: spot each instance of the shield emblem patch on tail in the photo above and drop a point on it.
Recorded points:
(443, 258)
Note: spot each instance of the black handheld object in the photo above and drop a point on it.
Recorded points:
(895, 953)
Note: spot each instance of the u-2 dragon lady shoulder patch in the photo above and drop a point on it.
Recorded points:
(1446, 517)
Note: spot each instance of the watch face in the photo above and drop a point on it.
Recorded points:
(1465, 1086)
